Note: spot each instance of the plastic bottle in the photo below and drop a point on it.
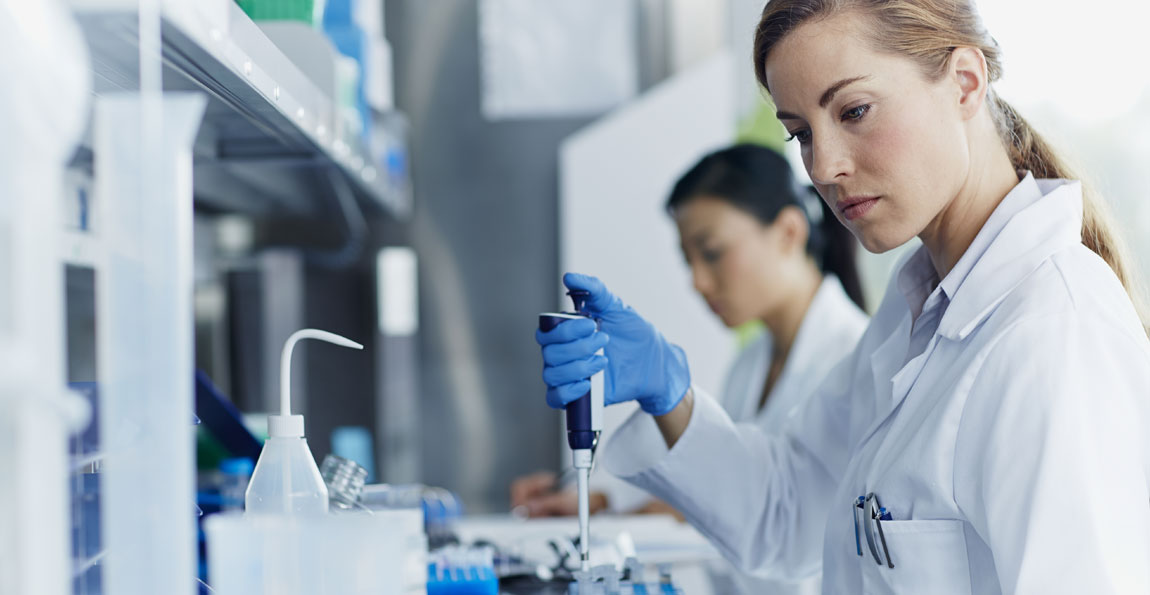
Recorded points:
(286, 479)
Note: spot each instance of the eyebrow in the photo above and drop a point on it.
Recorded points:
(699, 238)
(826, 97)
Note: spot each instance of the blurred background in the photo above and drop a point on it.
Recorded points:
(543, 137)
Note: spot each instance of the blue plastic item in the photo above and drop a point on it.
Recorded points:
(223, 420)
(352, 42)
(354, 444)
(339, 13)
(456, 570)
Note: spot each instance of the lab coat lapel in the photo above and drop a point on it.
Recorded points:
(886, 363)
(1048, 224)
(827, 309)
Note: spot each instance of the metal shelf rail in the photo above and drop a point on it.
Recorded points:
(269, 131)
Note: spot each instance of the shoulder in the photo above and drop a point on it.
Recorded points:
(1073, 294)
(1068, 330)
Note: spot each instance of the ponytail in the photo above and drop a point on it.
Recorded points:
(838, 254)
(1029, 151)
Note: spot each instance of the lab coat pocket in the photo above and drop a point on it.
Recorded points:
(928, 557)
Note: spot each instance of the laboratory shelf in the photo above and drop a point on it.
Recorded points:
(270, 141)
(83, 462)
(81, 249)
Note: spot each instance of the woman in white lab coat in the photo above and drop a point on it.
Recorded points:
(761, 247)
(991, 431)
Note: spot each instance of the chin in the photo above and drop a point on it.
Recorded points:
(732, 323)
(878, 243)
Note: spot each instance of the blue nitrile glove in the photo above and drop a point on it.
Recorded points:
(641, 365)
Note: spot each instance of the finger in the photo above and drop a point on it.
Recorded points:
(565, 503)
(531, 486)
(573, 371)
(566, 331)
(600, 298)
(557, 354)
(559, 396)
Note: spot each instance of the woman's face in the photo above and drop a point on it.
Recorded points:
(885, 147)
(739, 265)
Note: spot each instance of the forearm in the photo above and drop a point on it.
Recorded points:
(674, 423)
(737, 485)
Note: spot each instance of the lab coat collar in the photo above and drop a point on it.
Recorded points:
(826, 310)
(1035, 219)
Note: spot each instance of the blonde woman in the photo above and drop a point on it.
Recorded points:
(991, 431)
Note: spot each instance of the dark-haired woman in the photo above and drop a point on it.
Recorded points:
(760, 247)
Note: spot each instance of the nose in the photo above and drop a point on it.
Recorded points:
(702, 279)
(829, 161)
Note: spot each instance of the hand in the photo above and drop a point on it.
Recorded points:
(536, 495)
(528, 487)
(641, 365)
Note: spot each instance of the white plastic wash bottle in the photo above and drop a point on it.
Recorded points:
(286, 480)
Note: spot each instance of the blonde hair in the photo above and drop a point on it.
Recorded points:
(927, 31)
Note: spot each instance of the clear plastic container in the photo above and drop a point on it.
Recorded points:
(384, 553)
(286, 480)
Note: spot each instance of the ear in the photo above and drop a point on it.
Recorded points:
(792, 230)
(968, 71)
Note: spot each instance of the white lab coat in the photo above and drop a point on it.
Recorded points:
(1008, 432)
(829, 331)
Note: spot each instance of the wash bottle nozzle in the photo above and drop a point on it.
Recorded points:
(286, 425)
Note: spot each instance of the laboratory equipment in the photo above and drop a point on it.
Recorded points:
(439, 508)
(462, 570)
(306, 11)
(337, 554)
(221, 418)
(344, 479)
(584, 423)
(608, 580)
(41, 119)
(286, 479)
(354, 443)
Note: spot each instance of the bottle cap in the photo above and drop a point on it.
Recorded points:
(285, 426)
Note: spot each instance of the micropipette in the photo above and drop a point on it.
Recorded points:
(584, 423)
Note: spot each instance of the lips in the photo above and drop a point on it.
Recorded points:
(853, 207)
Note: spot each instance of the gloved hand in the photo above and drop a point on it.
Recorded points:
(641, 365)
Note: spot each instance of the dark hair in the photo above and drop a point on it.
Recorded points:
(760, 182)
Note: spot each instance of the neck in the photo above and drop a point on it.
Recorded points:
(991, 178)
(784, 321)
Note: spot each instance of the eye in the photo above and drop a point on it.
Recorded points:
(856, 113)
(710, 255)
(803, 136)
